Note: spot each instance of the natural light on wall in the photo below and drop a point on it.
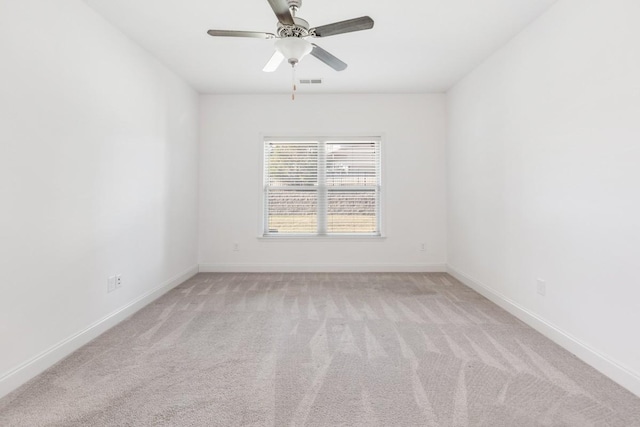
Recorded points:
(322, 187)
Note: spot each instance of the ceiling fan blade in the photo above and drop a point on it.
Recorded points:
(281, 9)
(356, 24)
(328, 58)
(252, 34)
(274, 62)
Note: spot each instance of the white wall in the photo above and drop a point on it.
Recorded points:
(98, 176)
(413, 129)
(544, 179)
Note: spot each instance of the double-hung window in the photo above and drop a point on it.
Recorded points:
(322, 186)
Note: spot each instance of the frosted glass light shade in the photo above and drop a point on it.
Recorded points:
(293, 48)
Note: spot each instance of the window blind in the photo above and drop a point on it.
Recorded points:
(322, 187)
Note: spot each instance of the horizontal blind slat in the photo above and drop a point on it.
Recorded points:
(291, 163)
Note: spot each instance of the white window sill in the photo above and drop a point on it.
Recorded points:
(340, 237)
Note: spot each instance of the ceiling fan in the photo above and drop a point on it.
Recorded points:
(292, 34)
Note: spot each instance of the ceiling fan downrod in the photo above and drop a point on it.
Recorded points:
(294, 6)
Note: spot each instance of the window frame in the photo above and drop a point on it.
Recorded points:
(322, 140)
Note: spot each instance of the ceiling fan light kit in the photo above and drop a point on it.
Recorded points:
(292, 34)
(293, 49)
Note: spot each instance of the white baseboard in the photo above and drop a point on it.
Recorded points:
(607, 366)
(33, 367)
(323, 268)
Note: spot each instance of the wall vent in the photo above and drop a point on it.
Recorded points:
(310, 81)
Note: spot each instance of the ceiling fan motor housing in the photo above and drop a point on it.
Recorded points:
(300, 29)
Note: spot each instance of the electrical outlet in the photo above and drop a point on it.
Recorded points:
(542, 287)
(111, 284)
(236, 247)
(118, 281)
(423, 247)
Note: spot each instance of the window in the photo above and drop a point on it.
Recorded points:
(322, 187)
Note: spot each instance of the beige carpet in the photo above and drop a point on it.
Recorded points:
(321, 350)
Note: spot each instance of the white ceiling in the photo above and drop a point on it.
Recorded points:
(416, 46)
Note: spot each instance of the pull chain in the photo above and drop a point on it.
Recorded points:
(293, 82)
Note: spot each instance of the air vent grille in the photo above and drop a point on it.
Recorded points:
(310, 81)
